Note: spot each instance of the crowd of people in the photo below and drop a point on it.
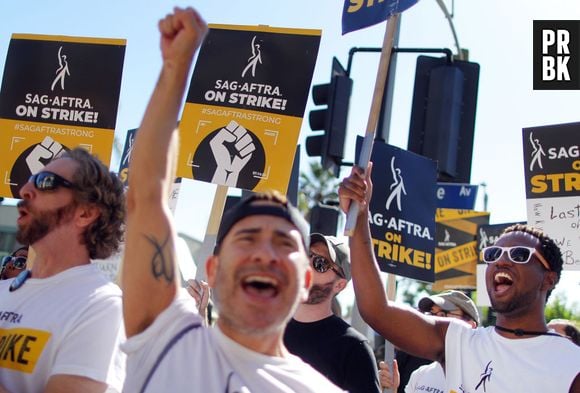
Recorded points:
(65, 328)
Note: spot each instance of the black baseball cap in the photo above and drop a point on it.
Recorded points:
(277, 206)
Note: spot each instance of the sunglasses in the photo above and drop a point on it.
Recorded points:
(322, 265)
(49, 181)
(447, 314)
(17, 262)
(516, 254)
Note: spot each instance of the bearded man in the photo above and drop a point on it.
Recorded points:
(323, 339)
(61, 319)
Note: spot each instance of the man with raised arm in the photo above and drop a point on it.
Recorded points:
(259, 271)
(519, 354)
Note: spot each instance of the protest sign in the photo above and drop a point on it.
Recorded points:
(245, 106)
(552, 173)
(57, 93)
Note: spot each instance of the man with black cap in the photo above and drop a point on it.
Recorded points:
(325, 340)
(259, 271)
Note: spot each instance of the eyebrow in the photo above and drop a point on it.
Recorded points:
(243, 231)
(256, 230)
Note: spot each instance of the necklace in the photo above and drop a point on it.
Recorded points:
(520, 332)
(20, 280)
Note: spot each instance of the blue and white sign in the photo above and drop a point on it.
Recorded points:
(456, 196)
(358, 14)
(402, 211)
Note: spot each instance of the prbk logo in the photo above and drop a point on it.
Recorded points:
(556, 55)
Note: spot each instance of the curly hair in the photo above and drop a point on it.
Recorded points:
(548, 247)
(96, 185)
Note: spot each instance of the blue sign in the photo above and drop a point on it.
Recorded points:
(456, 196)
(358, 14)
(126, 156)
(402, 211)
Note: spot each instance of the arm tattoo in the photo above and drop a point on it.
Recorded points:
(162, 261)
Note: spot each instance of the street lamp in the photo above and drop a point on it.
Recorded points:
(484, 186)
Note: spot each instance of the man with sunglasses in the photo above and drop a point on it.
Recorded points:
(14, 263)
(258, 272)
(61, 320)
(325, 340)
(519, 354)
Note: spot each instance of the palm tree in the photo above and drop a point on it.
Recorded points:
(316, 184)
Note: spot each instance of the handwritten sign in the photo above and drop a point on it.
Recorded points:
(552, 173)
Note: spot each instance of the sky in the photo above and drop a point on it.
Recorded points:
(498, 35)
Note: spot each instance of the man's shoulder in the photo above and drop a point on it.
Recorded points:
(351, 333)
(428, 368)
(331, 326)
(92, 280)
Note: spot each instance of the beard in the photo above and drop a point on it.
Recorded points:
(319, 293)
(43, 222)
(519, 304)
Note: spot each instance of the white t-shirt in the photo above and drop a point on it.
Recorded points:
(428, 378)
(482, 361)
(177, 354)
(69, 323)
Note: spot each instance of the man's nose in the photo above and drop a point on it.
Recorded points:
(27, 190)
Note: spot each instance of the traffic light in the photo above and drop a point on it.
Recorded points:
(443, 115)
(324, 218)
(332, 120)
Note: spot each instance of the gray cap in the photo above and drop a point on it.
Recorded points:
(450, 301)
(337, 249)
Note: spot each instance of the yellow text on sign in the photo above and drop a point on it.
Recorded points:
(555, 182)
(20, 348)
(400, 253)
(455, 256)
(356, 5)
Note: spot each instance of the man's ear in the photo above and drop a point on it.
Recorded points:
(307, 284)
(211, 266)
(308, 279)
(340, 285)
(86, 214)
(550, 281)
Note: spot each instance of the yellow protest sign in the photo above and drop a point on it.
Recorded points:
(245, 105)
(57, 93)
(456, 252)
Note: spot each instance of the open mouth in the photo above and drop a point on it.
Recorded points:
(502, 281)
(22, 214)
(260, 286)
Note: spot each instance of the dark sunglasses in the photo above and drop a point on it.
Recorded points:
(516, 254)
(49, 181)
(17, 262)
(322, 265)
(448, 314)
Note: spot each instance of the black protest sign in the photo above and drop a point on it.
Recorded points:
(552, 175)
(402, 211)
(57, 93)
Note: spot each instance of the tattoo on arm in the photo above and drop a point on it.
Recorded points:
(162, 260)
